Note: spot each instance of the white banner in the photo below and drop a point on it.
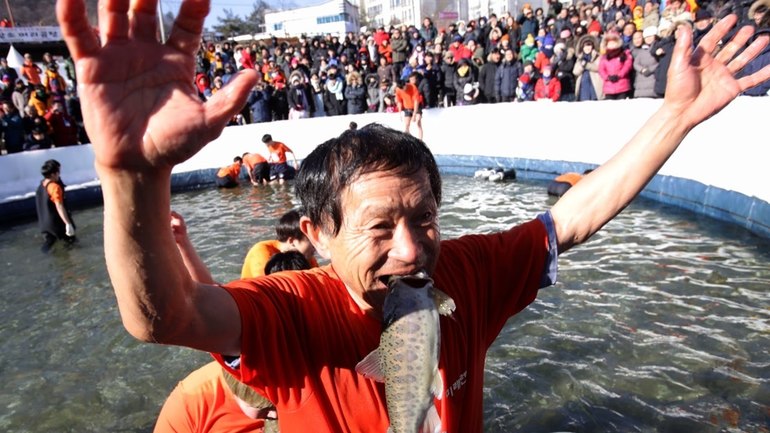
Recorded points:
(30, 34)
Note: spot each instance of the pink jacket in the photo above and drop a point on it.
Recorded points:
(620, 66)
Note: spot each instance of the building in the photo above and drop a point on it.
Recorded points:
(441, 12)
(335, 17)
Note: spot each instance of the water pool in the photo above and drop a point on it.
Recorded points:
(659, 324)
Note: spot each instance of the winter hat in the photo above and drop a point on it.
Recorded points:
(650, 31)
(524, 78)
(457, 38)
(594, 27)
(530, 39)
(758, 6)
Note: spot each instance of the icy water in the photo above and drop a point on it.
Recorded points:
(661, 323)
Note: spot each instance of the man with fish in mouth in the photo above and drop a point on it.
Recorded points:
(371, 197)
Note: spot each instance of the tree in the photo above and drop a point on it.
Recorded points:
(233, 25)
(257, 15)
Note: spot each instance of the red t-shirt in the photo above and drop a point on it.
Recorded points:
(203, 402)
(302, 334)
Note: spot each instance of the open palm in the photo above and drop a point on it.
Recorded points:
(701, 81)
(139, 103)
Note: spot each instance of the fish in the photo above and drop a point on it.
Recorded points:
(407, 358)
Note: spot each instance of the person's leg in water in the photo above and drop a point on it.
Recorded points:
(48, 241)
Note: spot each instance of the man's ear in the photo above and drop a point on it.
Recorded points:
(316, 236)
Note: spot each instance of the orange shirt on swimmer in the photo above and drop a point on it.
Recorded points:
(231, 171)
(278, 152)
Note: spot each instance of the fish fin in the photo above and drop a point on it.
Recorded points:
(445, 305)
(432, 423)
(437, 387)
(369, 367)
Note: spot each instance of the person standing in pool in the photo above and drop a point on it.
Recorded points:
(371, 200)
(257, 168)
(279, 169)
(53, 214)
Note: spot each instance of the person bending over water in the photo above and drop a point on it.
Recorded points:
(371, 198)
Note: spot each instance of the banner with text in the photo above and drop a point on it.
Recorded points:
(30, 34)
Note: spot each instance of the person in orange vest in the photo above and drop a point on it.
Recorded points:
(227, 177)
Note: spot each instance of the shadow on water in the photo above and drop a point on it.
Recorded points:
(659, 324)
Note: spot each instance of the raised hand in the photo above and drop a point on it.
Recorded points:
(140, 106)
(702, 81)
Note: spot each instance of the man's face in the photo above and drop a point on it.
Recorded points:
(389, 227)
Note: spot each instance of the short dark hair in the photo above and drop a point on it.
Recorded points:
(288, 226)
(50, 167)
(335, 164)
(237, 159)
(286, 261)
(267, 138)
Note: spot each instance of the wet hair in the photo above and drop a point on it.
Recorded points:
(267, 138)
(237, 159)
(337, 163)
(50, 167)
(288, 226)
(286, 261)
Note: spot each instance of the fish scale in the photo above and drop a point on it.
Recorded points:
(407, 358)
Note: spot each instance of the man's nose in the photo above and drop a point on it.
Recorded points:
(406, 246)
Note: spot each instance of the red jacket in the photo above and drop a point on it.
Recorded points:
(551, 91)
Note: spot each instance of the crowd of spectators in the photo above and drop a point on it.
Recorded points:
(39, 108)
(587, 51)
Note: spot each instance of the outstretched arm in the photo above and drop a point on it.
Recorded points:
(700, 83)
(143, 115)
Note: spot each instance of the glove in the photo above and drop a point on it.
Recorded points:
(613, 78)
(70, 230)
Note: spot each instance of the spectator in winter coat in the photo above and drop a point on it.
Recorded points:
(448, 71)
(528, 23)
(317, 93)
(464, 74)
(759, 62)
(615, 68)
(487, 77)
(563, 63)
(301, 102)
(529, 50)
(30, 71)
(663, 49)
(63, 127)
(355, 94)
(548, 86)
(428, 31)
(525, 91)
(507, 77)
(334, 96)
(433, 79)
(400, 51)
(588, 82)
(259, 103)
(645, 65)
(12, 127)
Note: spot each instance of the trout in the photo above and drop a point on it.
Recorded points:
(407, 357)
